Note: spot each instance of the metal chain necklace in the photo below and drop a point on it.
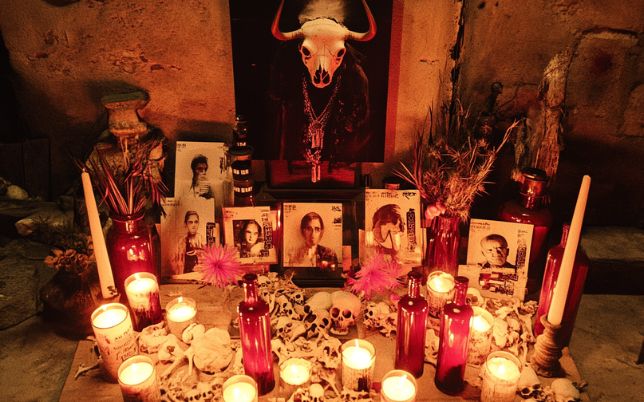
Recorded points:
(314, 137)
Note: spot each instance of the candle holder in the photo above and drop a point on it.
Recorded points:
(548, 350)
(440, 290)
(240, 388)
(114, 335)
(480, 336)
(398, 386)
(180, 313)
(358, 363)
(142, 290)
(138, 380)
(500, 381)
(293, 373)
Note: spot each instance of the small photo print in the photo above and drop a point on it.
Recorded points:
(392, 225)
(185, 231)
(202, 172)
(312, 235)
(501, 251)
(250, 231)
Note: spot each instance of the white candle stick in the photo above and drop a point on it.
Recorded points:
(555, 314)
(100, 250)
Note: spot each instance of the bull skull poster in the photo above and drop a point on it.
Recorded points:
(311, 78)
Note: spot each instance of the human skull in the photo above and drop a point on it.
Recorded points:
(565, 390)
(344, 311)
(297, 296)
(329, 354)
(319, 321)
(283, 328)
(285, 307)
(375, 314)
(319, 301)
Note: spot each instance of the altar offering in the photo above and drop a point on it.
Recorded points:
(480, 336)
(398, 386)
(358, 363)
(440, 290)
(138, 380)
(142, 290)
(180, 313)
(115, 336)
(500, 377)
(240, 388)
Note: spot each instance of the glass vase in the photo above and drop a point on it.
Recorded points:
(130, 249)
(255, 335)
(410, 334)
(577, 280)
(453, 341)
(443, 237)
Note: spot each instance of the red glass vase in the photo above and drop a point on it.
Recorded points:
(410, 334)
(130, 249)
(255, 334)
(453, 341)
(577, 280)
(443, 237)
(531, 207)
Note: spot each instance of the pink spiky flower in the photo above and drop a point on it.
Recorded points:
(377, 274)
(221, 267)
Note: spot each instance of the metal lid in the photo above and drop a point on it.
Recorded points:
(535, 182)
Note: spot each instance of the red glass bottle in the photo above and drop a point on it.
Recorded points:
(130, 249)
(255, 334)
(577, 280)
(531, 207)
(453, 341)
(410, 334)
(443, 238)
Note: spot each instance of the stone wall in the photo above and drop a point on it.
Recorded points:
(64, 58)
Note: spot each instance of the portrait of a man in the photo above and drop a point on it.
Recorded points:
(495, 249)
(313, 235)
(189, 245)
(200, 186)
(388, 229)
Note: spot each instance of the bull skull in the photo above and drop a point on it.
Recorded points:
(322, 48)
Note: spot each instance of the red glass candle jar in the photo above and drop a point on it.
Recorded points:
(410, 334)
(443, 237)
(453, 341)
(576, 289)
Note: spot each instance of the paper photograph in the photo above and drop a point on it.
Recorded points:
(250, 231)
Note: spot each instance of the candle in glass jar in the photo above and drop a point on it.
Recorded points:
(181, 312)
(295, 371)
(440, 290)
(240, 388)
(358, 362)
(398, 386)
(142, 290)
(114, 335)
(500, 377)
(138, 380)
(480, 336)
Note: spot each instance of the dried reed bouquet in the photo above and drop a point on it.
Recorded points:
(449, 165)
(128, 185)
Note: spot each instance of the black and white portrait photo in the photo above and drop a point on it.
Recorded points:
(250, 231)
(312, 235)
(499, 253)
(392, 225)
(202, 173)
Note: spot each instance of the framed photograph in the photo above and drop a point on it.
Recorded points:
(184, 231)
(312, 235)
(499, 253)
(300, 105)
(202, 172)
(392, 225)
(250, 231)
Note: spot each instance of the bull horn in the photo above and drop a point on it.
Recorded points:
(275, 27)
(364, 36)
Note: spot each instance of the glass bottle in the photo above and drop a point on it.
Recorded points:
(443, 239)
(577, 280)
(453, 341)
(255, 335)
(410, 334)
(531, 207)
(130, 248)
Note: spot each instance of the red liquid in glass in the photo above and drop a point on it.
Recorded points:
(255, 334)
(410, 335)
(576, 289)
(453, 341)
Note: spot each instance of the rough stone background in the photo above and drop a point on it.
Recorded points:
(64, 58)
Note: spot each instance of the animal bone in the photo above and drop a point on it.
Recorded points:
(564, 390)
(212, 351)
(152, 337)
(192, 332)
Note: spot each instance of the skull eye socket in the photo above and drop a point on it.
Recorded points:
(347, 314)
(335, 312)
(305, 51)
(340, 53)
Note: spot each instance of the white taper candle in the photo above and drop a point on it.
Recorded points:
(100, 250)
(555, 314)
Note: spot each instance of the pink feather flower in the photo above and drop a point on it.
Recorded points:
(221, 267)
(378, 274)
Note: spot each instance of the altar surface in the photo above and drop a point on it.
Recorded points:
(215, 309)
